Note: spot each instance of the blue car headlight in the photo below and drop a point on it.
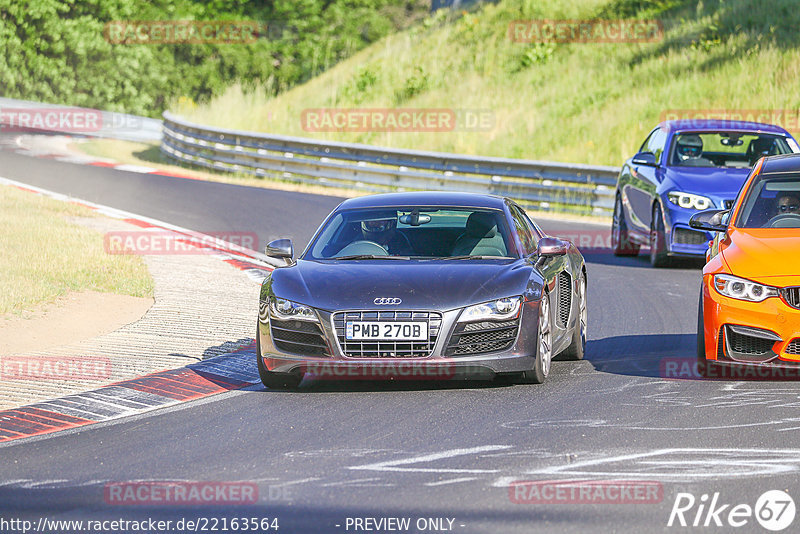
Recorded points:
(689, 200)
(496, 310)
(286, 310)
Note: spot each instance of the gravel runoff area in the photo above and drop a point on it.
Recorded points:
(203, 307)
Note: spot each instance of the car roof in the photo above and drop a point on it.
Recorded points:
(722, 125)
(781, 164)
(425, 198)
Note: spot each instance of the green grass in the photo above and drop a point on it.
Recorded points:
(45, 255)
(587, 103)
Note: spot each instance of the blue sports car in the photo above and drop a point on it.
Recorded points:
(422, 285)
(683, 167)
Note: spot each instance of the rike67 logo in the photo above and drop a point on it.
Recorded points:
(774, 510)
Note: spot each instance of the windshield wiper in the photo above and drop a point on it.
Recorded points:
(468, 257)
(369, 257)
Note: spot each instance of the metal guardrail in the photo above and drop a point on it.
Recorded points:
(539, 185)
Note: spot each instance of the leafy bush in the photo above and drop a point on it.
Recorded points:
(55, 50)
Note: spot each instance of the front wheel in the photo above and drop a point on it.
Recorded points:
(705, 367)
(658, 240)
(275, 380)
(577, 348)
(620, 240)
(544, 345)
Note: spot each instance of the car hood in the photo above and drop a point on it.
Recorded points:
(424, 285)
(767, 254)
(714, 181)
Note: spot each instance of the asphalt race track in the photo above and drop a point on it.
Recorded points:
(338, 450)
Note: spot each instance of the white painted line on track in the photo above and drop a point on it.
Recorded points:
(231, 249)
(135, 168)
(295, 482)
(392, 465)
(451, 481)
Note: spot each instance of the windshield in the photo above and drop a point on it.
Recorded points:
(771, 202)
(725, 149)
(414, 231)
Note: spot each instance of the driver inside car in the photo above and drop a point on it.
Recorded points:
(787, 203)
(689, 151)
(382, 229)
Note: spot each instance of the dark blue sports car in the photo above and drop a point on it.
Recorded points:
(421, 286)
(683, 167)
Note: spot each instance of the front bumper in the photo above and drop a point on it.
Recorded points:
(771, 333)
(335, 364)
(684, 240)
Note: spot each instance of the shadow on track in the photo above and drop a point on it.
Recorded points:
(317, 385)
(640, 355)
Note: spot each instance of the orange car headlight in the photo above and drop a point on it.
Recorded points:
(741, 289)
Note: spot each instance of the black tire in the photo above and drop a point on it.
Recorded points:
(544, 346)
(577, 348)
(284, 381)
(620, 240)
(658, 240)
(704, 366)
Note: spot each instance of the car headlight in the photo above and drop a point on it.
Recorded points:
(498, 310)
(287, 310)
(741, 289)
(689, 201)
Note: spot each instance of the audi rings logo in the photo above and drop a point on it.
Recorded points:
(387, 301)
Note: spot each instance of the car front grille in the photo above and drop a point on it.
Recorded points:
(792, 296)
(684, 236)
(387, 349)
(746, 348)
(564, 298)
(482, 337)
(748, 344)
(299, 337)
(793, 347)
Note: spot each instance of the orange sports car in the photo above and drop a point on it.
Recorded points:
(750, 299)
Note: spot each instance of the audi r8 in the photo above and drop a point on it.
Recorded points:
(749, 312)
(684, 167)
(436, 284)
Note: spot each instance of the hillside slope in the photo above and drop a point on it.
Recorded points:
(577, 102)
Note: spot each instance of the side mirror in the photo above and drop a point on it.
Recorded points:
(280, 248)
(710, 220)
(551, 246)
(645, 158)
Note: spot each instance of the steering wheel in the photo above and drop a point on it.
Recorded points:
(784, 220)
(406, 239)
(363, 246)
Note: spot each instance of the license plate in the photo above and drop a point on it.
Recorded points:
(383, 331)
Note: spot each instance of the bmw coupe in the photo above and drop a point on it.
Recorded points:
(683, 167)
(749, 313)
